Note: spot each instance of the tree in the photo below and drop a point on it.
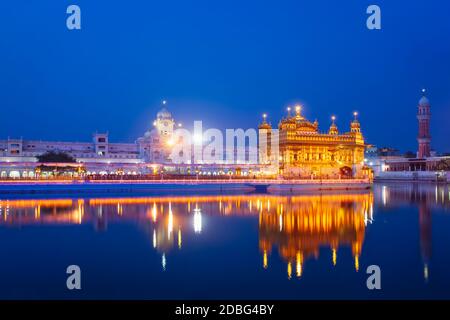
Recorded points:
(55, 156)
(443, 165)
(409, 154)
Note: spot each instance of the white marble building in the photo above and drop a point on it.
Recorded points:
(18, 157)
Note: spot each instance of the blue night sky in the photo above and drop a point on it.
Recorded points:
(224, 62)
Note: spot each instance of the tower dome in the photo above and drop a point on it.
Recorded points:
(333, 128)
(264, 124)
(424, 102)
(164, 114)
(355, 126)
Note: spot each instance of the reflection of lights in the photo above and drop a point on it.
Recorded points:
(425, 272)
(154, 212)
(298, 265)
(356, 263)
(163, 261)
(289, 270)
(154, 238)
(197, 220)
(265, 259)
(37, 212)
(281, 222)
(384, 195)
(170, 223)
(179, 238)
(334, 257)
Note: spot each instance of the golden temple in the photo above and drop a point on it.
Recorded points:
(304, 152)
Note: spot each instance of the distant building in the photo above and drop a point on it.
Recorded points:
(18, 157)
(426, 165)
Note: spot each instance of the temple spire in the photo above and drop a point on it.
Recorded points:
(333, 128)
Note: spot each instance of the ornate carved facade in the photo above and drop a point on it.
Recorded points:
(304, 152)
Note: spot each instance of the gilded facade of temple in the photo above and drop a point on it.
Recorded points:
(305, 152)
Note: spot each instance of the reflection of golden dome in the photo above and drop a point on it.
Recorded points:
(309, 223)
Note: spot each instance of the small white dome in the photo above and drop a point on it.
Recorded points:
(424, 102)
(147, 134)
(164, 114)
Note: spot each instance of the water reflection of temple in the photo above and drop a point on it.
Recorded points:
(303, 225)
(298, 226)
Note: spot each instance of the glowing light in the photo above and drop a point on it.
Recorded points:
(197, 220)
(180, 125)
(154, 212)
(170, 222)
(197, 138)
(163, 262)
(298, 268)
(425, 272)
(265, 264)
(384, 195)
(289, 270)
(179, 238)
(164, 102)
(334, 257)
(154, 238)
(356, 263)
(264, 116)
